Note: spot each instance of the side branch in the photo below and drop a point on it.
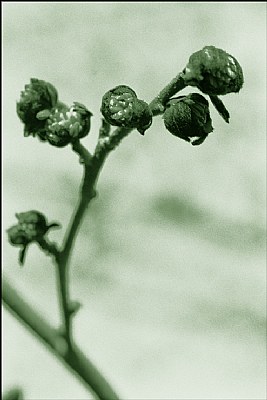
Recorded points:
(157, 105)
(83, 153)
(87, 193)
(48, 247)
(62, 344)
(74, 360)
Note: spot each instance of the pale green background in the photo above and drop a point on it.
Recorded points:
(170, 261)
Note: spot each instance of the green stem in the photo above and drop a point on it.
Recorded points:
(92, 167)
(158, 104)
(48, 247)
(85, 156)
(63, 290)
(63, 345)
(87, 193)
(75, 360)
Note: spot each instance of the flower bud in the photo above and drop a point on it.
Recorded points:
(67, 124)
(187, 117)
(37, 96)
(121, 107)
(213, 71)
(33, 223)
(31, 226)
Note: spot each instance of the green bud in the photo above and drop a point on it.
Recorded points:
(67, 124)
(37, 96)
(213, 71)
(121, 107)
(31, 226)
(188, 117)
(33, 222)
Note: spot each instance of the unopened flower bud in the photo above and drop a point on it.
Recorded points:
(188, 117)
(67, 124)
(213, 71)
(33, 222)
(121, 107)
(37, 96)
(31, 226)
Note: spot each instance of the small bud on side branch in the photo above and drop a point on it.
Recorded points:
(32, 226)
(49, 119)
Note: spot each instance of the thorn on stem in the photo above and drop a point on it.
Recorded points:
(74, 307)
(94, 194)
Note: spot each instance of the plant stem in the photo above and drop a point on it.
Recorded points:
(48, 247)
(74, 359)
(62, 344)
(92, 166)
(63, 290)
(157, 105)
(87, 193)
(85, 156)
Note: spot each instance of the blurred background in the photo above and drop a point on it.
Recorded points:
(169, 264)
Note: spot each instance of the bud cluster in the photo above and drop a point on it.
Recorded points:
(47, 118)
(214, 72)
(211, 70)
